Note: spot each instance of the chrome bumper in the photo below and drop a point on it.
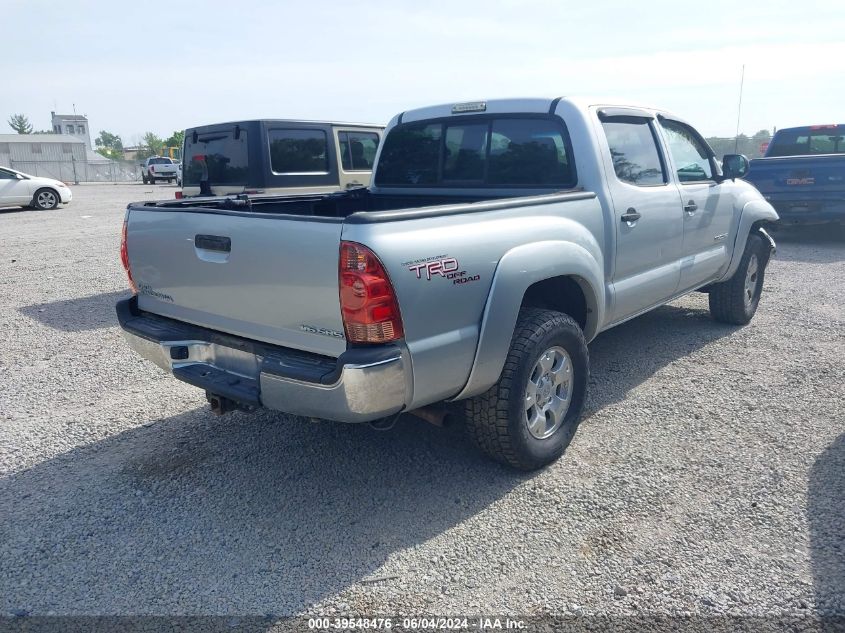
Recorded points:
(357, 391)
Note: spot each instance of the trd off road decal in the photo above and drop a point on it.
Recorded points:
(441, 266)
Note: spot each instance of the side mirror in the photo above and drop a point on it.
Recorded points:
(19, 177)
(734, 166)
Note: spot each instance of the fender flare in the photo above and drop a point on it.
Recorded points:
(517, 270)
(754, 214)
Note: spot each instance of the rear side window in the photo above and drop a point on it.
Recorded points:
(478, 151)
(217, 157)
(357, 150)
(691, 155)
(298, 151)
(828, 139)
(633, 148)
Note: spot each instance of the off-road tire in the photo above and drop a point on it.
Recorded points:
(728, 302)
(496, 420)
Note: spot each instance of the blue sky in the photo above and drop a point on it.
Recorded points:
(132, 68)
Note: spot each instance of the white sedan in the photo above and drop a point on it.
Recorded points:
(22, 190)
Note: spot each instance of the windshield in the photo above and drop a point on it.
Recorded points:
(216, 157)
(802, 141)
(477, 151)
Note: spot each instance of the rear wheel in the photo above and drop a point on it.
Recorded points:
(45, 199)
(736, 300)
(529, 417)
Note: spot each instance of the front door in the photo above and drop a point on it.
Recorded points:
(647, 215)
(708, 205)
(14, 191)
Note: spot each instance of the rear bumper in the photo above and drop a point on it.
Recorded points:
(809, 212)
(361, 385)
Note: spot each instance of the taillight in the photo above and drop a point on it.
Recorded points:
(124, 259)
(178, 195)
(152, 168)
(367, 300)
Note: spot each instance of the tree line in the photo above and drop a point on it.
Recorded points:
(108, 144)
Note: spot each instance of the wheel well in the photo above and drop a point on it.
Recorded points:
(562, 294)
(46, 188)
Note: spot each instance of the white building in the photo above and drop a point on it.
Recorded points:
(72, 125)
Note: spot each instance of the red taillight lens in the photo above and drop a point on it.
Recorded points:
(124, 259)
(152, 168)
(367, 301)
(178, 195)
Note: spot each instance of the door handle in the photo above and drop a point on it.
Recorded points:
(630, 216)
(213, 243)
(691, 207)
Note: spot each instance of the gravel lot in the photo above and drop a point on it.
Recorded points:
(708, 476)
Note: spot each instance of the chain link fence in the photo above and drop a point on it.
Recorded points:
(80, 171)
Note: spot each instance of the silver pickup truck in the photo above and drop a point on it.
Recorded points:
(497, 239)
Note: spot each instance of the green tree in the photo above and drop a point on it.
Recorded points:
(109, 145)
(151, 145)
(20, 124)
(175, 139)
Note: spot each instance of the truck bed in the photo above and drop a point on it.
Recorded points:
(341, 204)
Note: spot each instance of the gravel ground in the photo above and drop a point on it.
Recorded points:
(706, 478)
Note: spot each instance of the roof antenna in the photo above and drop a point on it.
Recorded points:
(739, 109)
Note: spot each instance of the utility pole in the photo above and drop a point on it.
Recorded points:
(739, 109)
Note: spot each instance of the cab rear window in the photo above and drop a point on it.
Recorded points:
(478, 151)
(803, 141)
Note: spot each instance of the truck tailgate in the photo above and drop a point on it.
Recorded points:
(272, 279)
(794, 176)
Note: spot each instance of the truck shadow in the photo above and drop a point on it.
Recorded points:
(628, 354)
(242, 514)
(263, 513)
(77, 315)
(826, 516)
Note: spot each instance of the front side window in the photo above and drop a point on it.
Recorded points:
(480, 151)
(298, 151)
(691, 155)
(633, 148)
(357, 150)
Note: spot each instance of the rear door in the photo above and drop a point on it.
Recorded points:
(708, 205)
(356, 155)
(647, 213)
(272, 279)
